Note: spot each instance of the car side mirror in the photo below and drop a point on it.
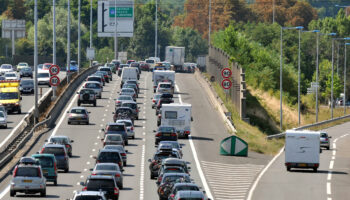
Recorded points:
(46, 140)
(91, 169)
(149, 160)
(191, 119)
(188, 167)
(154, 131)
(330, 137)
(71, 140)
(320, 150)
(20, 98)
(122, 170)
(82, 183)
(103, 130)
(102, 139)
(89, 112)
(67, 111)
(94, 157)
(77, 92)
(113, 113)
(126, 151)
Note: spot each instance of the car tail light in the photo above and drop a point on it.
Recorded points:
(326, 139)
(159, 116)
(287, 164)
(159, 134)
(104, 143)
(67, 145)
(117, 102)
(173, 134)
(153, 101)
(316, 165)
(15, 171)
(39, 172)
(187, 132)
(42, 150)
(70, 115)
(116, 190)
(159, 179)
(137, 110)
(172, 195)
(85, 188)
(55, 166)
(93, 174)
(123, 154)
(117, 175)
(154, 86)
(120, 164)
(132, 128)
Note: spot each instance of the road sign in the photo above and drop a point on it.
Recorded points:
(54, 70)
(226, 84)
(107, 17)
(54, 81)
(226, 73)
(233, 146)
(90, 53)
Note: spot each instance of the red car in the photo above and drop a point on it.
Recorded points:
(145, 67)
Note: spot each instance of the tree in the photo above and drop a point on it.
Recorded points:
(15, 9)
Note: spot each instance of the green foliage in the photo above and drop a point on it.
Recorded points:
(24, 46)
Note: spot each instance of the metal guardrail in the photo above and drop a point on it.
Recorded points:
(280, 135)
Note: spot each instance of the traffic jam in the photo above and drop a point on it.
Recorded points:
(170, 172)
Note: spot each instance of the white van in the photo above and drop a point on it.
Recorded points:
(162, 76)
(129, 73)
(302, 149)
(179, 116)
(44, 77)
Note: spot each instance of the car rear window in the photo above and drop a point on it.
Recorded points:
(173, 178)
(130, 105)
(165, 86)
(100, 183)
(54, 150)
(114, 138)
(125, 98)
(166, 129)
(190, 198)
(45, 162)
(127, 90)
(115, 128)
(94, 79)
(107, 167)
(187, 187)
(170, 115)
(107, 156)
(92, 85)
(59, 140)
(105, 69)
(27, 171)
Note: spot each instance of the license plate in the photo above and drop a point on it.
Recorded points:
(302, 165)
(44, 171)
(26, 181)
(78, 118)
(166, 134)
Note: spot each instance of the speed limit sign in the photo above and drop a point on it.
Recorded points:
(226, 84)
(226, 73)
(54, 70)
(54, 81)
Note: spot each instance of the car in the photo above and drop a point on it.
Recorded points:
(3, 119)
(5, 68)
(159, 106)
(137, 65)
(117, 128)
(120, 69)
(22, 65)
(164, 187)
(133, 82)
(174, 144)
(26, 86)
(169, 169)
(176, 162)
(132, 86)
(130, 61)
(39, 66)
(104, 75)
(11, 76)
(89, 195)
(325, 140)
(121, 99)
(119, 148)
(87, 96)
(145, 67)
(96, 86)
(44, 77)
(46, 66)
(134, 108)
(109, 156)
(129, 127)
(182, 187)
(26, 72)
(128, 91)
(96, 78)
(61, 139)
(48, 164)
(155, 100)
(95, 63)
(165, 133)
(104, 184)
(109, 169)
(73, 67)
(190, 195)
(112, 66)
(167, 65)
(108, 70)
(155, 162)
(60, 153)
(123, 113)
(3, 109)
(28, 179)
(78, 115)
(165, 87)
(113, 139)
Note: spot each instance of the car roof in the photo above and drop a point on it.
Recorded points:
(185, 184)
(58, 136)
(175, 174)
(115, 123)
(123, 120)
(109, 150)
(92, 82)
(43, 155)
(112, 164)
(123, 108)
(54, 145)
(100, 177)
(78, 107)
(89, 193)
(129, 101)
(189, 193)
(173, 160)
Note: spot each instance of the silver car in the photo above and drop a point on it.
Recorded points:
(5, 68)
(121, 99)
(190, 194)
(324, 140)
(28, 179)
(113, 139)
(96, 86)
(119, 148)
(109, 169)
(129, 127)
(128, 91)
(78, 115)
(3, 119)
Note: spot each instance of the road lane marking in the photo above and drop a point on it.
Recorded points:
(199, 169)
(331, 164)
(93, 149)
(142, 175)
(5, 191)
(143, 133)
(329, 188)
(329, 176)
(88, 163)
(103, 119)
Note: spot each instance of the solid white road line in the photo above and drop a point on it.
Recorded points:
(199, 169)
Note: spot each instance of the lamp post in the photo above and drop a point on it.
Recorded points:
(332, 103)
(79, 42)
(344, 98)
(68, 42)
(209, 21)
(90, 28)
(281, 70)
(36, 114)
(300, 28)
(115, 32)
(156, 31)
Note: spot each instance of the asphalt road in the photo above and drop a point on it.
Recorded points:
(222, 177)
(332, 181)
(27, 104)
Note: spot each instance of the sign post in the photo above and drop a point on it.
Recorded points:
(13, 29)
(226, 83)
(233, 146)
(54, 80)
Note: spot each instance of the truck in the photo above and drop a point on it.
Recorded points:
(10, 96)
(162, 76)
(178, 116)
(201, 62)
(302, 149)
(176, 57)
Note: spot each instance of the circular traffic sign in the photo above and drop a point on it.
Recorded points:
(226, 73)
(54, 81)
(226, 84)
(54, 70)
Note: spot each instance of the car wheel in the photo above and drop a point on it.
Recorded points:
(315, 169)
(19, 111)
(68, 122)
(137, 118)
(328, 148)
(6, 126)
(127, 142)
(43, 193)
(12, 193)
(87, 123)
(55, 182)
(152, 176)
(121, 186)
(133, 137)
(186, 136)
(95, 104)
(288, 169)
(79, 103)
(66, 170)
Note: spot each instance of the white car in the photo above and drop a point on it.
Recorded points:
(165, 87)
(129, 127)
(96, 86)
(3, 119)
(22, 65)
(44, 77)
(5, 68)
(11, 76)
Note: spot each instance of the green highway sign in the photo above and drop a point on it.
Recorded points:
(121, 12)
(233, 146)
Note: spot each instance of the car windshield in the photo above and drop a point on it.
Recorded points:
(92, 85)
(106, 156)
(27, 82)
(115, 128)
(89, 197)
(126, 111)
(47, 66)
(114, 138)
(27, 171)
(164, 155)
(22, 64)
(26, 69)
(8, 95)
(59, 140)
(2, 114)
(166, 129)
(10, 75)
(43, 75)
(174, 178)
(107, 167)
(45, 162)
(149, 61)
(94, 79)
(125, 98)
(78, 111)
(127, 123)
(324, 135)
(99, 183)
(54, 150)
(105, 69)
(6, 67)
(127, 90)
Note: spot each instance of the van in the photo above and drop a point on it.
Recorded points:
(44, 77)
(178, 116)
(48, 165)
(128, 73)
(302, 149)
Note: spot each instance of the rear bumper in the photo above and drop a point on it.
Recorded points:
(12, 107)
(302, 165)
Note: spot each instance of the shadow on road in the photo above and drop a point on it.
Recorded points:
(319, 171)
(37, 196)
(201, 138)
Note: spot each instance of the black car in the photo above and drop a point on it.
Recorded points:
(123, 113)
(156, 162)
(161, 102)
(102, 183)
(26, 72)
(117, 128)
(26, 86)
(110, 156)
(165, 133)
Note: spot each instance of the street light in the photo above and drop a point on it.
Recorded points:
(346, 10)
(281, 69)
(344, 98)
(156, 31)
(36, 114)
(332, 104)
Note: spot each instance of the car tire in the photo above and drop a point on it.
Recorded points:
(12, 193)
(43, 193)
(186, 136)
(137, 118)
(127, 142)
(55, 182)
(133, 137)
(328, 148)
(79, 103)
(87, 123)
(95, 104)
(66, 170)
(288, 169)
(152, 176)
(6, 126)
(315, 169)
(121, 186)
(19, 111)
(68, 122)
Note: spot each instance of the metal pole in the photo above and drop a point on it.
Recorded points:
(79, 42)
(273, 11)
(90, 28)
(68, 42)
(299, 79)
(338, 59)
(317, 49)
(209, 22)
(115, 32)
(344, 79)
(281, 88)
(13, 42)
(36, 114)
(54, 32)
(156, 31)
(332, 78)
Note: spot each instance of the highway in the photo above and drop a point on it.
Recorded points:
(332, 181)
(222, 177)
